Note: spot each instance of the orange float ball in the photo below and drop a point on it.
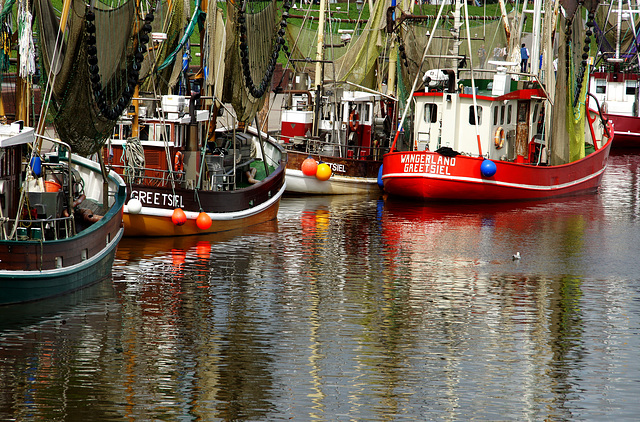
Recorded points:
(178, 217)
(203, 221)
(324, 172)
(309, 167)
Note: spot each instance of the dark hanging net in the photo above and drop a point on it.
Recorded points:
(255, 33)
(95, 71)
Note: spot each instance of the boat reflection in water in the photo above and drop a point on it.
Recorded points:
(356, 308)
(487, 236)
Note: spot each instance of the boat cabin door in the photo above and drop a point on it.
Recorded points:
(522, 131)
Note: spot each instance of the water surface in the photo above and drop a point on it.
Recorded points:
(352, 309)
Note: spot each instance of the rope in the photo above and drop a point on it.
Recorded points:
(133, 155)
(27, 51)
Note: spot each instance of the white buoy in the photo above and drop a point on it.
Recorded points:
(134, 206)
(516, 256)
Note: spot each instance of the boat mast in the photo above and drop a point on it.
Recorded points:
(320, 45)
(473, 79)
(319, 67)
(618, 25)
(535, 45)
(415, 81)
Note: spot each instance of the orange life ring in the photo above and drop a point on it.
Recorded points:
(498, 139)
(354, 120)
(178, 162)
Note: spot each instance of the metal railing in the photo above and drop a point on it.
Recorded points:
(38, 229)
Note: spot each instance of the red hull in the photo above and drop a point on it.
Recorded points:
(626, 131)
(430, 176)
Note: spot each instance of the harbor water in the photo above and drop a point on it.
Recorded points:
(352, 309)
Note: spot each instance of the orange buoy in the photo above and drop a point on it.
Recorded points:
(178, 217)
(309, 166)
(324, 172)
(203, 221)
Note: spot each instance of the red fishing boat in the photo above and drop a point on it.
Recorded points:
(505, 138)
(615, 79)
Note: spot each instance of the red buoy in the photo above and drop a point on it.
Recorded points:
(178, 217)
(203, 221)
(309, 167)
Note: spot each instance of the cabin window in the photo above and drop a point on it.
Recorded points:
(509, 111)
(472, 116)
(144, 132)
(495, 116)
(631, 87)
(430, 113)
(601, 86)
(162, 133)
(126, 131)
(502, 115)
(367, 113)
(178, 136)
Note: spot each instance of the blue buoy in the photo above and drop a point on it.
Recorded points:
(380, 183)
(488, 168)
(36, 165)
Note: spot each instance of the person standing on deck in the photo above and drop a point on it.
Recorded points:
(524, 58)
(482, 54)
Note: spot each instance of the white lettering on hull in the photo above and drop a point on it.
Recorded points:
(428, 163)
(158, 199)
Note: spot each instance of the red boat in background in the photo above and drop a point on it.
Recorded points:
(503, 138)
(615, 82)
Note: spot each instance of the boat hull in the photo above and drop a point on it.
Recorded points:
(349, 176)
(157, 221)
(29, 286)
(33, 269)
(428, 175)
(626, 131)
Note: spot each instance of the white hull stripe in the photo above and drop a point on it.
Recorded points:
(334, 178)
(217, 216)
(619, 132)
(497, 183)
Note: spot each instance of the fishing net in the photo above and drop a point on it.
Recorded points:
(609, 34)
(249, 55)
(86, 111)
(571, 91)
(487, 35)
(355, 61)
(164, 80)
(213, 53)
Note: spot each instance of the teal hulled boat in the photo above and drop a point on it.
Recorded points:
(61, 219)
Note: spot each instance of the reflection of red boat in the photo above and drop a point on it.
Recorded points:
(445, 235)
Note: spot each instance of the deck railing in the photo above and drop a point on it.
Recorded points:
(38, 228)
(315, 145)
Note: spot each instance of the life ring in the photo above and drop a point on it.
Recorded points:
(354, 120)
(178, 163)
(498, 139)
